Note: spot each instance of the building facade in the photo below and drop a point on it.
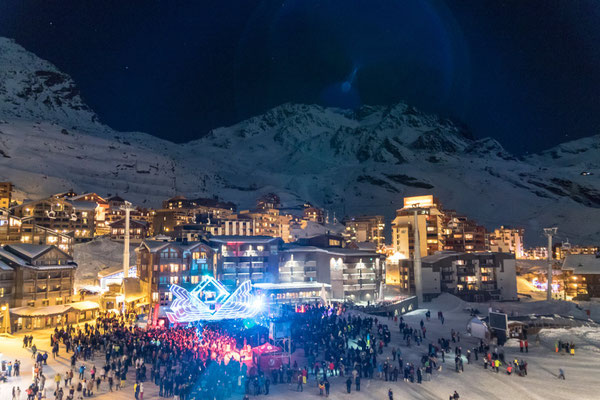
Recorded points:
(23, 230)
(439, 229)
(241, 258)
(5, 194)
(161, 264)
(62, 216)
(507, 240)
(430, 220)
(471, 276)
(353, 274)
(366, 229)
(581, 276)
(138, 230)
(314, 214)
(43, 275)
(461, 234)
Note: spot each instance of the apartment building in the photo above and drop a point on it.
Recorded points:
(5, 194)
(353, 274)
(138, 230)
(160, 264)
(461, 234)
(365, 228)
(61, 215)
(269, 222)
(102, 225)
(241, 258)
(430, 222)
(507, 240)
(475, 277)
(581, 276)
(439, 229)
(43, 275)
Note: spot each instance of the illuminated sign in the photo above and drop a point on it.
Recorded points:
(210, 301)
(418, 201)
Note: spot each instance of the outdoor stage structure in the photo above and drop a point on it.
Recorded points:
(211, 301)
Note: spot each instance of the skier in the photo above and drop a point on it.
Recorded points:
(390, 394)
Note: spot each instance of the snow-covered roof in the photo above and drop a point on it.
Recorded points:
(85, 305)
(52, 267)
(582, 264)
(243, 239)
(366, 246)
(84, 205)
(29, 250)
(116, 269)
(441, 255)
(11, 257)
(132, 222)
(155, 245)
(40, 311)
(290, 285)
(330, 250)
(82, 196)
(5, 267)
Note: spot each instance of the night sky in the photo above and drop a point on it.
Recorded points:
(524, 72)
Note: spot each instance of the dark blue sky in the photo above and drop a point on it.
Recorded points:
(524, 72)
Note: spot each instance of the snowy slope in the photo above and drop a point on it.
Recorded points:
(92, 257)
(350, 162)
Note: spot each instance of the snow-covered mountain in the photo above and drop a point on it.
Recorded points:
(349, 162)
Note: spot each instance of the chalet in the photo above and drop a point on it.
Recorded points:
(61, 215)
(160, 264)
(138, 230)
(43, 275)
(14, 229)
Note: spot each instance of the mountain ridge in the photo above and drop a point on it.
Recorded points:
(349, 162)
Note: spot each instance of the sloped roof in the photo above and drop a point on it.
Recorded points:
(85, 305)
(81, 196)
(243, 239)
(339, 251)
(40, 311)
(132, 222)
(51, 267)
(155, 245)
(116, 198)
(29, 250)
(84, 205)
(5, 267)
(582, 264)
(11, 257)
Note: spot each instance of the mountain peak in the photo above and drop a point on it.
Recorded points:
(34, 89)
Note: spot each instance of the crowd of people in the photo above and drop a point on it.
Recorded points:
(215, 361)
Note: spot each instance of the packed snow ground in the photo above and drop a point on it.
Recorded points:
(581, 370)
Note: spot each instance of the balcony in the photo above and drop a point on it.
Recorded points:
(465, 271)
(356, 287)
(245, 253)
